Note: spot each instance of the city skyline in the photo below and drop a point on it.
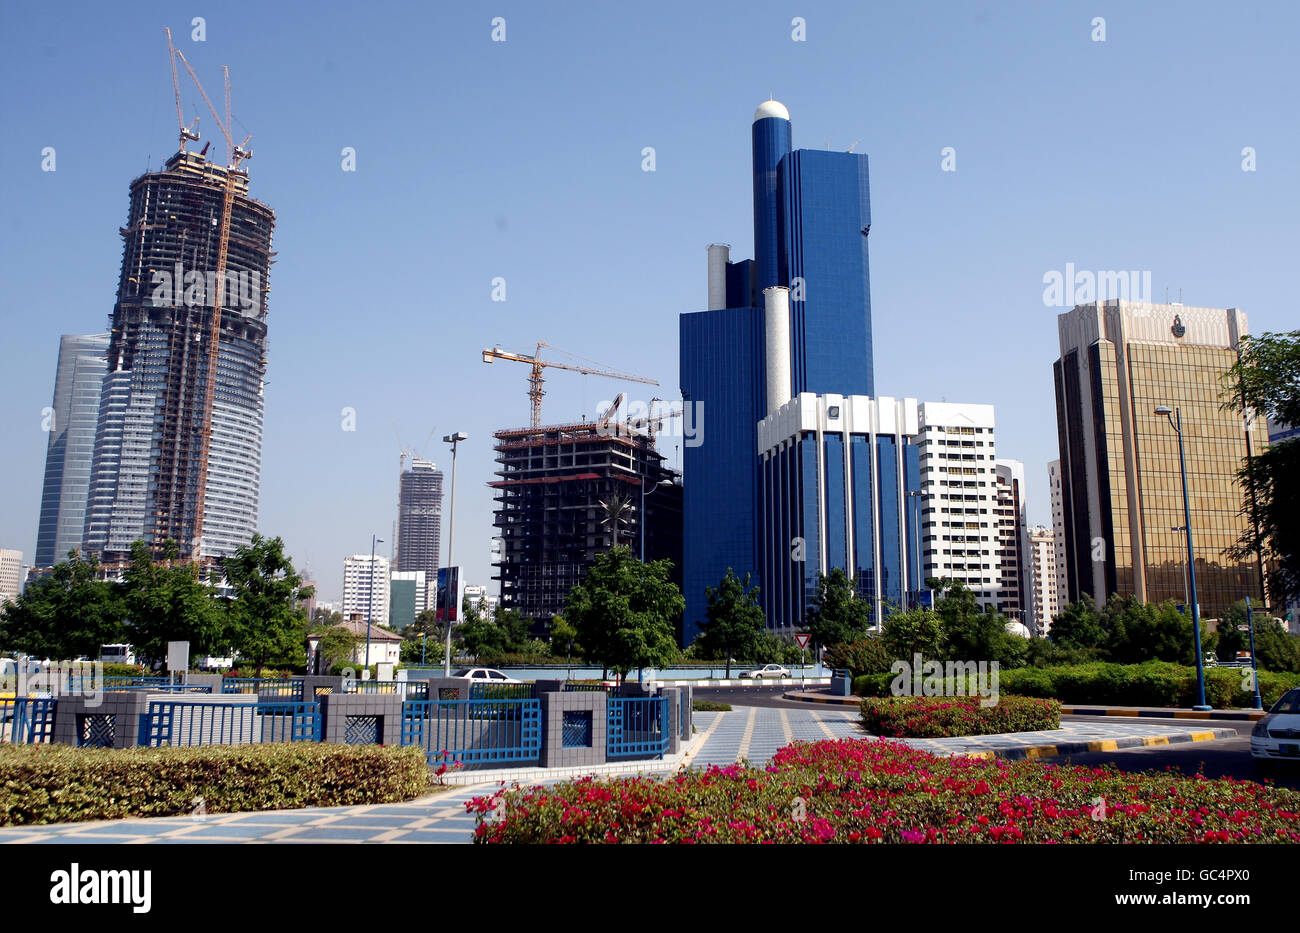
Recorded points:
(959, 254)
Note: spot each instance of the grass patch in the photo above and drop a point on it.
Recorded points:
(708, 706)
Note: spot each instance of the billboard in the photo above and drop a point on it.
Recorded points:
(451, 596)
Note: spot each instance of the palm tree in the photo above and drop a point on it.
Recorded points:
(616, 509)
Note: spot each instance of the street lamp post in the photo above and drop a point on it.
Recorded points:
(370, 596)
(1254, 664)
(1175, 417)
(915, 495)
(641, 515)
(453, 440)
(1186, 598)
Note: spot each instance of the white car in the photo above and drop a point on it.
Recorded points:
(487, 675)
(1276, 737)
(766, 672)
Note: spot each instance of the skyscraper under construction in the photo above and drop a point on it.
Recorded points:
(175, 458)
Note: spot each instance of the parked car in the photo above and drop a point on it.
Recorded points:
(1276, 737)
(485, 675)
(766, 672)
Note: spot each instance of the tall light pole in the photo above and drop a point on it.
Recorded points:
(1186, 598)
(370, 597)
(915, 494)
(641, 514)
(1175, 417)
(453, 440)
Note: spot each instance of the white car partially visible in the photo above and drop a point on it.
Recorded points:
(1276, 737)
(486, 675)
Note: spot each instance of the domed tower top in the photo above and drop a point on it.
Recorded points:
(771, 108)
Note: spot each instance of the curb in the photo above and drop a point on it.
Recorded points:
(800, 697)
(1245, 715)
(739, 682)
(1101, 745)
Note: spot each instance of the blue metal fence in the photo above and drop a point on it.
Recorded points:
(636, 726)
(407, 689)
(182, 723)
(474, 731)
(263, 687)
(27, 720)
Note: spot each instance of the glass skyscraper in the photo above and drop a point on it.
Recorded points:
(811, 220)
(70, 421)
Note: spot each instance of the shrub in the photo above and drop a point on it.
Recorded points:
(942, 717)
(59, 783)
(123, 670)
(879, 791)
(864, 656)
(708, 706)
(1154, 683)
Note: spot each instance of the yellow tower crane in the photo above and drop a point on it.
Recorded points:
(535, 378)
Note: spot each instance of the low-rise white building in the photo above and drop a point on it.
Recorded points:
(366, 587)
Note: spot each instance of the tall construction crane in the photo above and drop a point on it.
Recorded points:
(535, 378)
(234, 156)
(188, 133)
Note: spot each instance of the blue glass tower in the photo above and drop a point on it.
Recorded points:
(771, 144)
(825, 217)
(811, 218)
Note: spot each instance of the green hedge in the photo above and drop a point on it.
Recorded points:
(59, 783)
(1155, 683)
(943, 717)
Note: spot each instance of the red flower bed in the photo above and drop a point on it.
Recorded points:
(881, 791)
(940, 717)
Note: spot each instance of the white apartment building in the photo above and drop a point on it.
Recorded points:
(11, 574)
(366, 588)
(1058, 531)
(959, 496)
(1045, 594)
(1013, 542)
(484, 604)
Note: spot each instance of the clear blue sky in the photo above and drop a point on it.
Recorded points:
(522, 159)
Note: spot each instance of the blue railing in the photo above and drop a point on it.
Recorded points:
(181, 723)
(406, 689)
(85, 687)
(474, 731)
(27, 720)
(636, 726)
(263, 687)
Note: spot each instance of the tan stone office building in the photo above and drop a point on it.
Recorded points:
(1121, 486)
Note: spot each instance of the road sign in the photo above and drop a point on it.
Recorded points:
(803, 638)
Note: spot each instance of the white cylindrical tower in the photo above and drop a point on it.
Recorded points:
(719, 256)
(776, 325)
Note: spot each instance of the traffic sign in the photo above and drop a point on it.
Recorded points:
(803, 638)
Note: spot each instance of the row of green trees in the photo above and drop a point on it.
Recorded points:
(72, 612)
(1128, 631)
